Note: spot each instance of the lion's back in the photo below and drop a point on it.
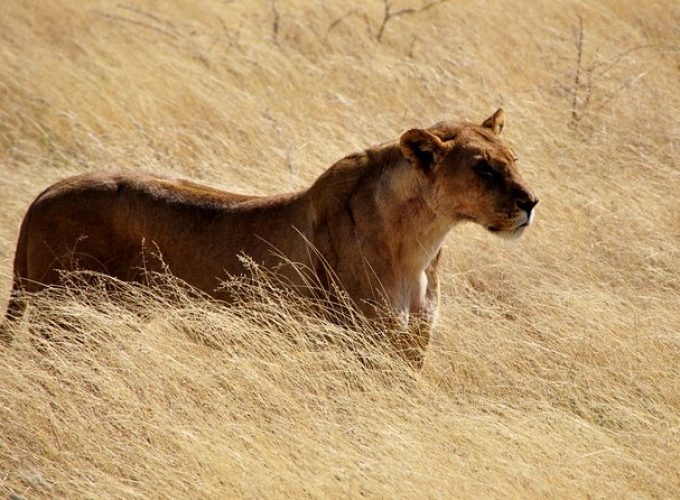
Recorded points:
(104, 222)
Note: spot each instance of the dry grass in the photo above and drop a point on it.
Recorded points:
(555, 370)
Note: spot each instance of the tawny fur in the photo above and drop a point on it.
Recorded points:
(374, 220)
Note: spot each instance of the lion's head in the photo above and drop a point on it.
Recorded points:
(471, 174)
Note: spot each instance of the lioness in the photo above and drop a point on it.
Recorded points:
(375, 221)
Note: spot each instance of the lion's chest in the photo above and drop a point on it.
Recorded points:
(411, 294)
(416, 309)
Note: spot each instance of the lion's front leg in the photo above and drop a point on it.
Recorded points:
(407, 324)
(411, 335)
(415, 337)
(407, 334)
(419, 332)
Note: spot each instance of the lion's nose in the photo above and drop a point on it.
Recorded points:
(527, 204)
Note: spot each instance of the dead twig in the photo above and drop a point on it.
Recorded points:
(389, 14)
(335, 23)
(142, 24)
(276, 21)
(411, 46)
(349, 13)
(233, 38)
(575, 116)
(148, 15)
(624, 86)
(603, 68)
(582, 87)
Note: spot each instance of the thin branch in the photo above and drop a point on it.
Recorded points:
(116, 18)
(232, 38)
(386, 17)
(389, 14)
(332, 26)
(149, 15)
(603, 68)
(349, 13)
(412, 46)
(624, 86)
(582, 88)
(276, 21)
(577, 78)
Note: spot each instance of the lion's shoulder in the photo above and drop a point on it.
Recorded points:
(353, 172)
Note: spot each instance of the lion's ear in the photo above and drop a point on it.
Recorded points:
(421, 148)
(495, 122)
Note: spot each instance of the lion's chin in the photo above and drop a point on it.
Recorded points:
(515, 234)
(516, 231)
(509, 234)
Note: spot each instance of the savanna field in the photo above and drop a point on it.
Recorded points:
(554, 370)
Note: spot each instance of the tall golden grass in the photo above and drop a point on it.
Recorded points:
(555, 368)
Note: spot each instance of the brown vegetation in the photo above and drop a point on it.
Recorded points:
(554, 368)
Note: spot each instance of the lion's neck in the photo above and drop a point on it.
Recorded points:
(414, 233)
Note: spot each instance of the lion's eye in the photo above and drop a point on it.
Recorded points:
(486, 171)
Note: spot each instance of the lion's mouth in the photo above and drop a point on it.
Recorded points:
(515, 229)
(509, 232)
